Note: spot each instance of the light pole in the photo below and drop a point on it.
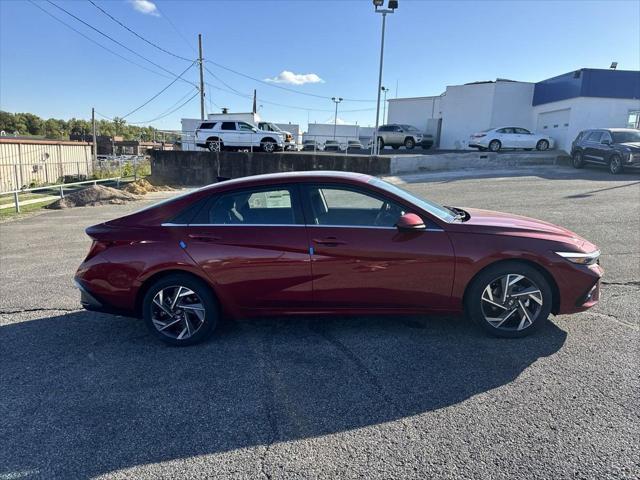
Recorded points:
(391, 7)
(336, 100)
(384, 104)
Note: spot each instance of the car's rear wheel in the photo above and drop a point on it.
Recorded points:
(180, 310)
(510, 299)
(542, 145)
(409, 143)
(577, 160)
(615, 164)
(495, 145)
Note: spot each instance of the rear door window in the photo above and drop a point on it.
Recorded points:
(228, 126)
(265, 206)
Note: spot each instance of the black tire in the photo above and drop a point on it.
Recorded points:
(577, 160)
(615, 164)
(214, 145)
(268, 145)
(542, 145)
(380, 143)
(206, 297)
(409, 143)
(474, 303)
(495, 145)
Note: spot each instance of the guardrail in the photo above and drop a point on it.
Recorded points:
(60, 187)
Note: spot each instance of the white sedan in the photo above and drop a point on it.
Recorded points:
(509, 137)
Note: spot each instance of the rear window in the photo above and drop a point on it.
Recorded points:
(207, 125)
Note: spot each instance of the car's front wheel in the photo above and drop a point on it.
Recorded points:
(180, 310)
(510, 299)
(409, 143)
(615, 165)
(268, 146)
(495, 145)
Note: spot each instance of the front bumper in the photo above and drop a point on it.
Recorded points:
(631, 161)
(579, 287)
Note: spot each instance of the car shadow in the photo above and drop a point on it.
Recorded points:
(84, 394)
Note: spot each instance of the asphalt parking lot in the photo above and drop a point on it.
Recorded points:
(92, 395)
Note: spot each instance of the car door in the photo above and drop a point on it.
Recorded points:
(507, 137)
(524, 138)
(593, 150)
(605, 148)
(246, 134)
(228, 133)
(360, 260)
(252, 244)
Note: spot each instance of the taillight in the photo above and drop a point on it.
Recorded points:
(97, 247)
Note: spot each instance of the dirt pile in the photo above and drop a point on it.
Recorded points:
(142, 187)
(94, 195)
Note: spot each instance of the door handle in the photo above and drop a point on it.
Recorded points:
(329, 241)
(204, 238)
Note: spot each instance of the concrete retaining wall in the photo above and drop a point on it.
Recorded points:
(401, 164)
(202, 168)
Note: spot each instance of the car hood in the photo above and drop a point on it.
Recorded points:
(500, 223)
(631, 146)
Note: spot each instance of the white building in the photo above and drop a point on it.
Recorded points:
(560, 107)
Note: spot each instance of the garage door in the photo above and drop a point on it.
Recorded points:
(555, 124)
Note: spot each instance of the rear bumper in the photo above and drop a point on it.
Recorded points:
(91, 302)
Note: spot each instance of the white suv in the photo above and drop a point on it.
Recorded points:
(217, 135)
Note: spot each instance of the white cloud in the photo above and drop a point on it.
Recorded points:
(145, 6)
(291, 78)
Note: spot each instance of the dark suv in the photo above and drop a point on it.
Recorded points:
(618, 148)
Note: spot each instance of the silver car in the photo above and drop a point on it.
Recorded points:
(399, 135)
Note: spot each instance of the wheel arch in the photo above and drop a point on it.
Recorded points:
(268, 139)
(149, 281)
(555, 291)
(213, 138)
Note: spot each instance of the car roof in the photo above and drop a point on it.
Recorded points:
(290, 177)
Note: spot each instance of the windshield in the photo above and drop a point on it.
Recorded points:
(626, 137)
(433, 208)
(410, 128)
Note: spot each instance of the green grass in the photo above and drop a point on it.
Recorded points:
(8, 213)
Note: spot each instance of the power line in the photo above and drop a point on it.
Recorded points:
(168, 19)
(168, 113)
(271, 84)
(160, 92)
(97, 43)
(116, 41)
(138, 35)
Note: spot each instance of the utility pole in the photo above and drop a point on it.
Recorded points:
(94, 157)
(335, 119)
(201, 76)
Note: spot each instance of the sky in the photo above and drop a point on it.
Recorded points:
(323, 48)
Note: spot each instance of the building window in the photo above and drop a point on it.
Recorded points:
(633, 120)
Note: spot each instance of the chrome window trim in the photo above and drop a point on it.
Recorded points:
(289, 225)
(233, 225)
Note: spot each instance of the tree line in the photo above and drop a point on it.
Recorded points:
(53, 128)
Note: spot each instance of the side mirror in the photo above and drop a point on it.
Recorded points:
(410, 221)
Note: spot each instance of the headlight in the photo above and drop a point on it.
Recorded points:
(581, 258)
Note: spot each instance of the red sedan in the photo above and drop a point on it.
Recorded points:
(331, 243)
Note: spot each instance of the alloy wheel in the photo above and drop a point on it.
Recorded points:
(177, 312)
(269, 147)
(615, 165)
(511, 302)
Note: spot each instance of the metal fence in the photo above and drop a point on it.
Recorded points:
(31, 164)
(252, 142)
(45, 171)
